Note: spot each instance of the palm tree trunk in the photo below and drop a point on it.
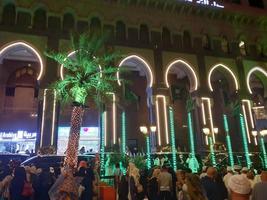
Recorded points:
(74, 137)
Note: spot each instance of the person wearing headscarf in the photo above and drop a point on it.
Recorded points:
(240, 187)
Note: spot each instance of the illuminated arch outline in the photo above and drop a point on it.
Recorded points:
(188, 67)
(13, 44)
(225, 67)
(62, 67)
(150, 84)
(250, 73)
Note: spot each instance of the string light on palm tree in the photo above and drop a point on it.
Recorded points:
(208, 134)
(145, 131)
(84, 80)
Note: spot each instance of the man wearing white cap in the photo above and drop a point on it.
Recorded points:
(227, 176)
(240, 187)
(260, 189)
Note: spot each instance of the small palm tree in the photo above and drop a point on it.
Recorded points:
(89, 75)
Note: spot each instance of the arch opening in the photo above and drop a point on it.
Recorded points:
(21, 68)
(182, 69)
(135, 63)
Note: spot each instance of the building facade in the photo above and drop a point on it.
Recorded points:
(193, 65)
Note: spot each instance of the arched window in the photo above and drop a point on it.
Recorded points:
(39, 19)
(68, 22)
(95, 26)
(144, 34)
(187, 43)
(166, 36)
(9, 15)
(120, 31)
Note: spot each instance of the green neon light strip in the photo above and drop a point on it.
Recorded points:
(264, 152)
(123, 135)
(228, 141)
(102, 149)
(174, 158)
(213, 159)
(245, 142)
(148, 152)
(191, 135)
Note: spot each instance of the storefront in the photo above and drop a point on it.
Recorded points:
(89, 139)
(20, 141)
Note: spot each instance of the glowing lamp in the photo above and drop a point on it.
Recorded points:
(143, 129)
(254, 133)
(206, 131)
(216, 130)
(263, 133)
(153, 128)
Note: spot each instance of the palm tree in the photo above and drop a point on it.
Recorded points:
(89, 75)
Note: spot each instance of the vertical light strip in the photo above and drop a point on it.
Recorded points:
(173, 146)
(206, 140)
(191, 134)
(43, 117)
(255, 141)
(244, 138)
(114, 117)
(148, 152)
(158, 122)
(250, 112)
(123, 130)
(54, 117)
(165, 117)
(212, 154)
(210, 118)
(103, 143)
(263, 152)
(203, 113)
(228, 141)
(246, 123)
(105, 127)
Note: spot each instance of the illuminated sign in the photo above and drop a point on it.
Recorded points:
(89, 138)
(17, 135)
(206, 2)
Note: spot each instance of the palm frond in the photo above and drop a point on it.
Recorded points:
(90, 74)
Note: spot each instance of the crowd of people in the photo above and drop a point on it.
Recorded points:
(159, 183)
(29, 183)
(163, 183)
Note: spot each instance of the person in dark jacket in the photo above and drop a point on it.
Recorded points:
(153, 185)
(123, 188)
(17, 185)
(220, 187)
(45, 181)
(209, 184)
(87, 183)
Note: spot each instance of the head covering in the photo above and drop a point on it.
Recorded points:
(204, 168)
(229, 169)
(237, 167)
(239, 184)
(244, 169)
